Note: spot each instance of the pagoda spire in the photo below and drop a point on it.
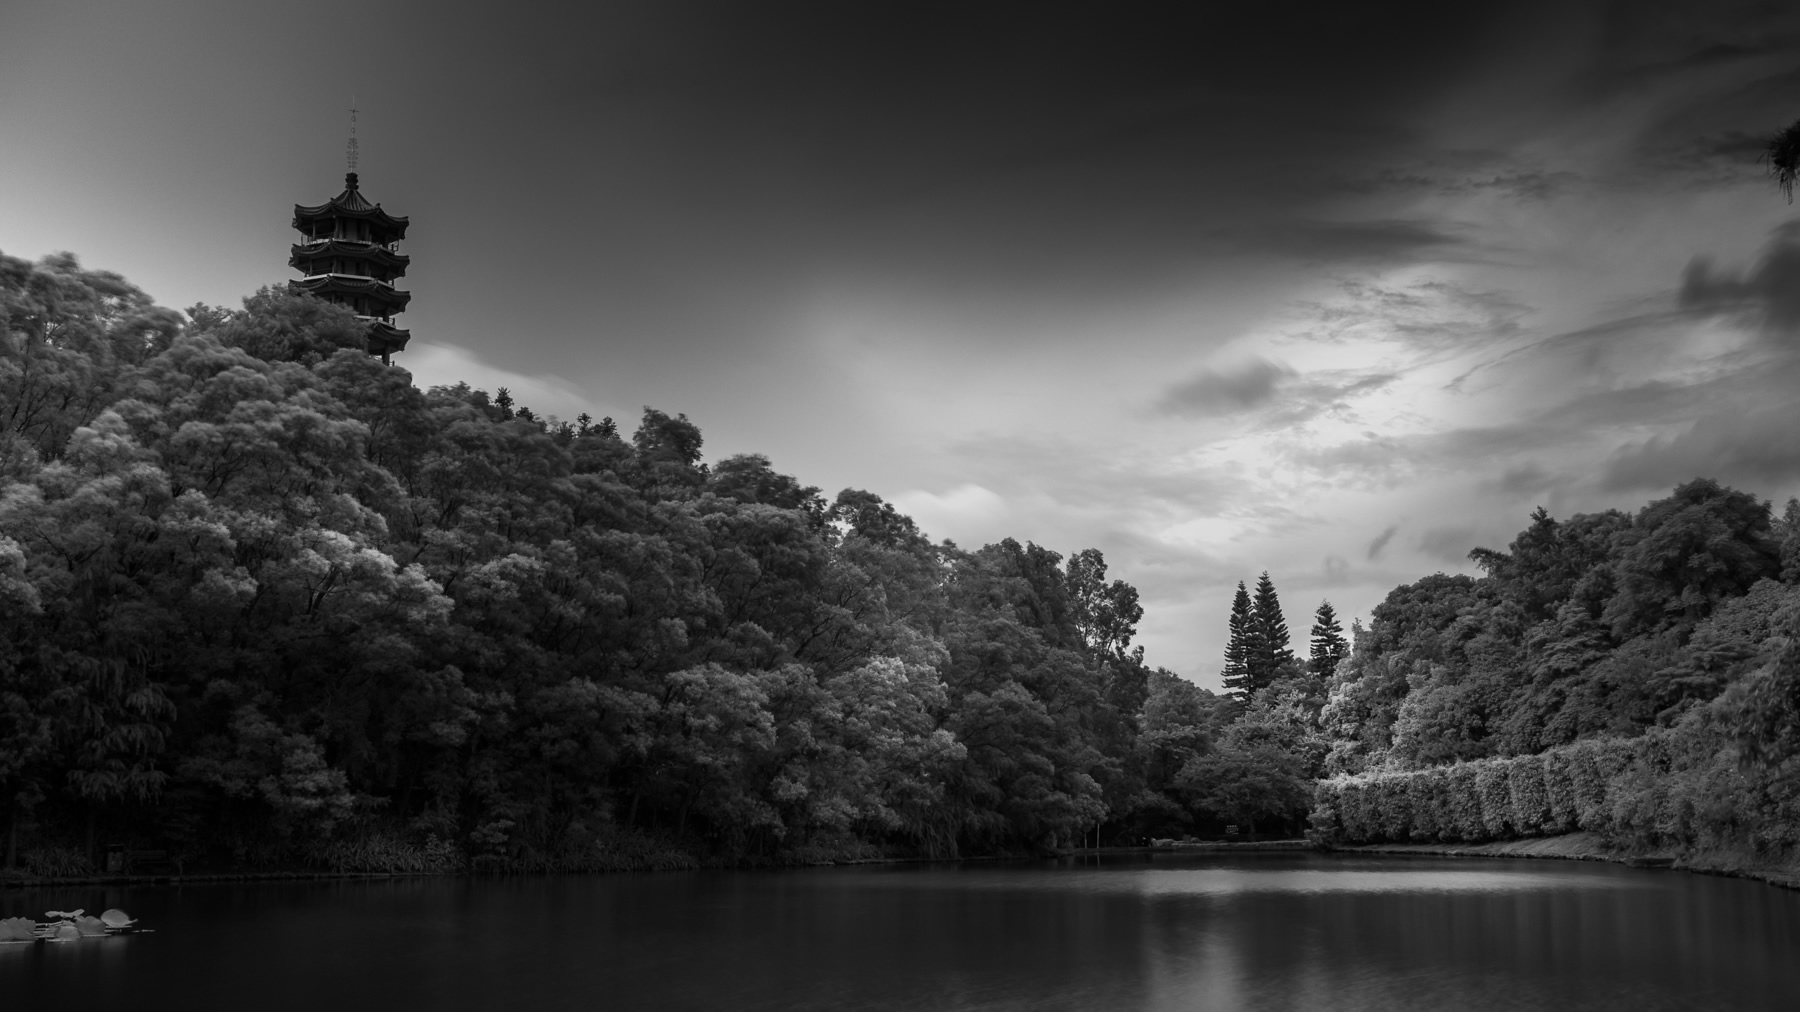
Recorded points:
(350, 151)
(349, 253)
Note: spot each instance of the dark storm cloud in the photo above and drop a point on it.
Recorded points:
(1767, 296)
(1213, 392)
(1380, 543)
(1754, 450)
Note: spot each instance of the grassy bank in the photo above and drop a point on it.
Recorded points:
(1593, 847)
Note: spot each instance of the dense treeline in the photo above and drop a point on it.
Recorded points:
(1648, 663)
(267, 602)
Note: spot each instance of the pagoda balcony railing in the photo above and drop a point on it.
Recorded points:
(352, 277)
(315, 240)
(376, 319)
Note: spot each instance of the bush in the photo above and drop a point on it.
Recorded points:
(1353, 810)
(1427, 800)
(1559, 792)
(1494, 798)
(382, 853)
(1530, 801)
(1680, 786)
(55, 862)
(1323, 825)
(1463, 821)
(1393, 815)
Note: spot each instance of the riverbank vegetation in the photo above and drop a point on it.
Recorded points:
(266, 604)
(1632, 675)
(269, 605)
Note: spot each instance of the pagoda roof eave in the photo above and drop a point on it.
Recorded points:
(333, 209)
(385, 338)
(344, 284)
(360, 250)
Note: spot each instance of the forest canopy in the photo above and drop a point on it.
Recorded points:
(268, 603)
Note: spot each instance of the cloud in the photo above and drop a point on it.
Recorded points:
(1214, 392)
(1766, 296)
(1382, 241)
(1523, 478)
(1380, 543)
(1324, 393)
(1753, 450)
(1448, 544)
(439, 364)
(1337, 571)
(968, 514)
(1481, 173)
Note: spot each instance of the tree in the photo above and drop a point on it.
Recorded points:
(1236, 675)
(1243, 785)
(1783, 155)
(1684, 555)
(1328, 644)
(1106, 615)
(1268, 650)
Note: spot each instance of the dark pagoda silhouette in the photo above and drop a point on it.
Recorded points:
(349, 252)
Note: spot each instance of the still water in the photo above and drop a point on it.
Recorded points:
(1272, 931)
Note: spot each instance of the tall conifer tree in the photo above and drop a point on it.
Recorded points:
(1328, 644)
(1268, 645)
(1237, 657)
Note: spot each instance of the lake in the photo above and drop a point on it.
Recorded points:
(1167, 931)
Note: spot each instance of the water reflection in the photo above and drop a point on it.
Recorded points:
(1289, 931)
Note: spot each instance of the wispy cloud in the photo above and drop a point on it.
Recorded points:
(1766, 296)
(1380, 543)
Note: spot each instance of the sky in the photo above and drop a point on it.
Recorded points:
(1333, 291)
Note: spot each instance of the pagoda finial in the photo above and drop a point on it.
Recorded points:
(350, 148)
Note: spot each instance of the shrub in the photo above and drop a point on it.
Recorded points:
(1559, 791)
(1353, 811)
(1426, 799)
(1588, 781)
(1529, 800)
(1494, 798)
(1463, 821)
(1323, 825)
(55, 862)
(1394, 810)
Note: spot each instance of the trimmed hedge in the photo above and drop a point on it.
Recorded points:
(1670, 787)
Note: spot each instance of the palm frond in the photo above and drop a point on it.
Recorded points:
(1783, 156)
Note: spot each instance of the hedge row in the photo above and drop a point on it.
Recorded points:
(1678, 786)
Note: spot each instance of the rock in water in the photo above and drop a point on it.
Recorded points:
(116, 918)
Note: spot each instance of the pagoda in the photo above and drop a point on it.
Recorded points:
(349, 253)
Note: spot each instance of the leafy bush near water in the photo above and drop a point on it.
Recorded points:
(55, 862)
(1676, 787)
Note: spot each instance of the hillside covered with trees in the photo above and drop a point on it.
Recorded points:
(266, 604)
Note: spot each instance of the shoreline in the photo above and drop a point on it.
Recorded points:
(1567, 847)
(1591, 847)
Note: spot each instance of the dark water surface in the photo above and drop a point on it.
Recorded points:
(1273, 931)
